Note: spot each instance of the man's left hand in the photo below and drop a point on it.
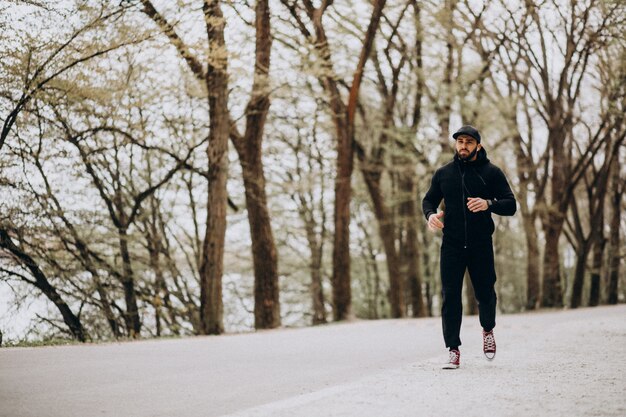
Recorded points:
(477, 204)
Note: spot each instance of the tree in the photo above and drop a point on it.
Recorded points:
(33, 68)
(617, 195)
(392, 151)
(41, 281)
(344, 120)
(596, 188)
(585, 30)
(553, 93)
(249, 149)
(37, 67)
(92, 136)
(308, 188)
(248, 146)
(613, 82)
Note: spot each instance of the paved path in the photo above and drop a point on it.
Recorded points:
(549, 363)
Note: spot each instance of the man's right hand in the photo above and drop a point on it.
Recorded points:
(434, 223)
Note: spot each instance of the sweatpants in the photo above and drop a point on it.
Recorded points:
(478, 260)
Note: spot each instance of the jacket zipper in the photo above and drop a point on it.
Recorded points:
(463, 206)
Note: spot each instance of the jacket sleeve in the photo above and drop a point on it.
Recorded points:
(433, 196)
(504, 203)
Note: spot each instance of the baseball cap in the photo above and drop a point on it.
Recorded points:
(469, 131)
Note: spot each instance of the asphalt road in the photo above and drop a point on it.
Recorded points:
(208, 376)
(363, 368)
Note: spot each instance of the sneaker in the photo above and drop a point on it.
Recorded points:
(489, 345)
(454, 361)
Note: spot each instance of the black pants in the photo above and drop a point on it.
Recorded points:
(478, 259)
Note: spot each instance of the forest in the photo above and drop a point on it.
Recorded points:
(196, 167)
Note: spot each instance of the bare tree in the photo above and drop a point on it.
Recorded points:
(344, 120)
(248, 146)
(596, 189)
(553, 93)
(310, 164)
(617, 195)
(40, 281)
(33, 72)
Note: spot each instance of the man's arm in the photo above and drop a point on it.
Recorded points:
(433, 197)
(504, 203)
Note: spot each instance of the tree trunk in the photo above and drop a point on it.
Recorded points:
(161, 291)
(554, 217)
(133, 323)
(412, 253)
(342, 294)
(429, 274)
(85, 259)
(524, 169)
(552, 294)
(106, 307)
(387, 235)
(191, 311)
(317, 290)
(597, 239)
(420, 82)
(582, 246)
(415, 276)
(267, 307)
(445, 109)
(596, 192)
(343, 118)
(532, 263)
(429, 300)
(249, 148)
(579, 275)
(266, 289)
(315, 240)
(375, 300)
(596, 270)
(614, 234)
(41, 281)
(212, 265)
(316, 247)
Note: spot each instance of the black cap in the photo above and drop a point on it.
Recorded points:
(469, 131)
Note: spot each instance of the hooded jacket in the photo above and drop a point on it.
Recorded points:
(459, 180)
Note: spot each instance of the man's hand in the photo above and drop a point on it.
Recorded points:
(477, 204)
(434, 223)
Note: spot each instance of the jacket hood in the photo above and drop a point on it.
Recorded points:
(481, 159)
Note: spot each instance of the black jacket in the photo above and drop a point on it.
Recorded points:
(458, 180)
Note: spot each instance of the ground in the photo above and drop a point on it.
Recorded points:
(552, 363)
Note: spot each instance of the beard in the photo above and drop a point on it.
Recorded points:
(469, 156)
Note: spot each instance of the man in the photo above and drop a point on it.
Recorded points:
(472, 189)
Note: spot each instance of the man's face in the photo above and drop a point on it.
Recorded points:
(467, 147)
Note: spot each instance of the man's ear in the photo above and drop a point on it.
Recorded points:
(479, 147)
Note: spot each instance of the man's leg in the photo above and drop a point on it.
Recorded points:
(452, 266)
(483, 275)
